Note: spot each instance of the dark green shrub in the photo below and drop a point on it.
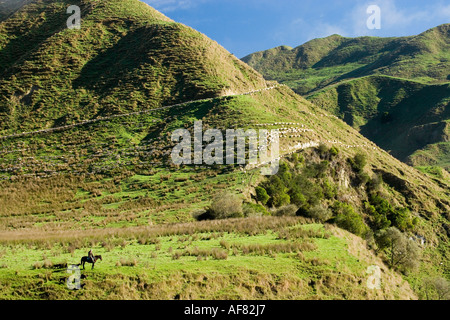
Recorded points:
(316, 170)
(358, 162)
(277, 191)
(297, 197)
(378, 220)
(281, 199)
(274, 186)
(297, 158)
(284, 173)
(346, 218)
(329, 190)
(261, 195)
(314, 195)
(399, 217)
(252, 210)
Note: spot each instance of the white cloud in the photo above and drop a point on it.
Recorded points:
(397, 20)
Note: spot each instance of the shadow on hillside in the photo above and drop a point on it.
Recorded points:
(415, 121)
(150, 60)
(27, 37)
(118, 64)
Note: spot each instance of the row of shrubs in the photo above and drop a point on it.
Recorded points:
(286, 247)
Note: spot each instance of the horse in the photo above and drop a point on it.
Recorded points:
(89, 260)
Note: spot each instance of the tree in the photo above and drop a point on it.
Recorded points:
(437, 288)
(348, 219)
(358, 162)
(402, 252)
(261, 195)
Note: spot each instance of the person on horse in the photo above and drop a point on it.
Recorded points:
(91, 256)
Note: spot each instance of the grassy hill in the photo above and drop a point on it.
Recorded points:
(393, 90)
(321, 62)
(229, 259)
(86, 123)
(402, 116)
(128, 57)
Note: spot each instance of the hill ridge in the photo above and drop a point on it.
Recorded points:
(23, 134)
(355, 57)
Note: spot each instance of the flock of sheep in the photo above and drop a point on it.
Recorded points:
(287, 130)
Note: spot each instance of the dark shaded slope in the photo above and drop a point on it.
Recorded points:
(398, 115)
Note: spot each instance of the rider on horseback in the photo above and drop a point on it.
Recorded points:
(91, 256)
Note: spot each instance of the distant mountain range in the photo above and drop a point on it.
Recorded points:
(322, 62)
(394, 90)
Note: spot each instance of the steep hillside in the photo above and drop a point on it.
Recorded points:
(127, 57)
(87, 118)
(321, 62)
(8, 7)
(399, 115)
(390, 89)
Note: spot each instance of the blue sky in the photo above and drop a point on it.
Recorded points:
(246, 26)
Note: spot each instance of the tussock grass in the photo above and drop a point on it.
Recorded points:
(186, 257)
(264, 249)
(300, 233)
(214, 253)
(127, 263)
(117, 237)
